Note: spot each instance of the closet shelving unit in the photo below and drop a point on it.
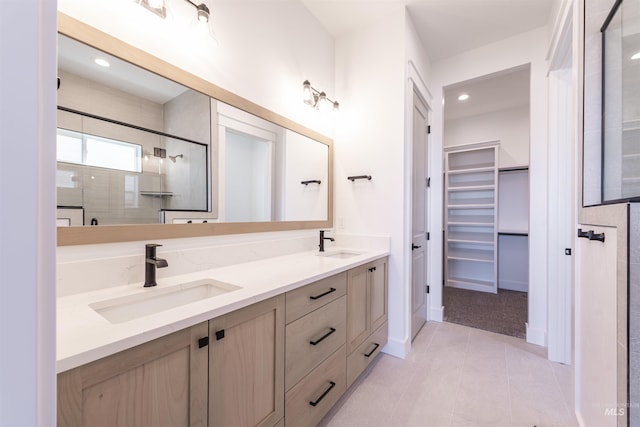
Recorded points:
(471, 199)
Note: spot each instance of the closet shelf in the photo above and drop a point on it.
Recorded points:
(483, 167)
(478, 206)
(467, 281)
(471, 237)
(477, 255)
(471, 220)
(472, 186)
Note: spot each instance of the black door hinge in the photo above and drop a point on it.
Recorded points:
(567, 251)
(428, 235)
(428, 182)
(428, 128)
(427, 288)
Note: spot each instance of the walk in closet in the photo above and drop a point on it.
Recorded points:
(486, 220)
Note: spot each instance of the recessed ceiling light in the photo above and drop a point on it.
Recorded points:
(102, 62)
(636, 56)
(463, 97)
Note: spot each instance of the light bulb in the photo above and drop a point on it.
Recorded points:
(307, 95)
(636, 55)
(463, 97)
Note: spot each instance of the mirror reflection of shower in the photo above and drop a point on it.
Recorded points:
(173, 158)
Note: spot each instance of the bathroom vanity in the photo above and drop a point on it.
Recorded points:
(278, 347)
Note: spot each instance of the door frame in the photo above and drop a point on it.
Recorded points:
(562, 198)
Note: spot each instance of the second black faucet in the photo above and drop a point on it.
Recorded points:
(322, 239)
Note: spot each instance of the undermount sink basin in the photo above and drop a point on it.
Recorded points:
(151, 301)
(340, 254)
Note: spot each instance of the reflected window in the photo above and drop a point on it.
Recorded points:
(90, 150)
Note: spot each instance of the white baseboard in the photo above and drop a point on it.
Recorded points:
(437, 314)
(536, 336)
(397, 348)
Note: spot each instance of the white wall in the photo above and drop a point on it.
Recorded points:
(369, 141)
(525, 48)
(371, 138)
(27, 213)
(510, 127)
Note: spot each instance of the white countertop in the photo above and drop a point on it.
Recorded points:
(83, 335)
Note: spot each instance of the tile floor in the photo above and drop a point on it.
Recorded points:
(460, 376)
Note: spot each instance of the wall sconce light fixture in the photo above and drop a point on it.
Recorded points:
(156, 6)
(316, 98)
(201, 18)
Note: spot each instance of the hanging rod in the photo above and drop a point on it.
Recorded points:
(353, 178)
(312, 181)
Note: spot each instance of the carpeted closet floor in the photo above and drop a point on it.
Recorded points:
(504, 313)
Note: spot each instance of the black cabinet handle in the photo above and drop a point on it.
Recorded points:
(372, 269)
(414, 247)
(203, 342)
(322, 338)
(591, 235)
(372, 351)
(318, 400)
(315, 297)
(219, 335)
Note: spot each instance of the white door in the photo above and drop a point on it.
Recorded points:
(419, 214)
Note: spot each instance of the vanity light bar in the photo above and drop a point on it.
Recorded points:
(316, 98)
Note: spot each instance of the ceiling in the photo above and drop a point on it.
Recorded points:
(445, 27)
(495, 92)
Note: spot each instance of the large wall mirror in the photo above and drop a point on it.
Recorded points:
(148, 151)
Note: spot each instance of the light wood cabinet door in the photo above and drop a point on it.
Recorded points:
(378, 293)
(358, 324)
(160, 383)
(246, 366)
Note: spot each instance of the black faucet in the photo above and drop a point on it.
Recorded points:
(322, 239)
(152, 262)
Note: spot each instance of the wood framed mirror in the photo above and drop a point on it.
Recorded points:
(211, 219)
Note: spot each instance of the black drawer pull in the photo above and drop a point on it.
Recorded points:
(315, 297)
(372, 351)
(318, 400)
(322, 338)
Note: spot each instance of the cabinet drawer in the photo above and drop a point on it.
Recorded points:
(310, 339)
(323, 386)
(365, 353)
(308, 298)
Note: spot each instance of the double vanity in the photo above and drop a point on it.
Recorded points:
(275, 341)
(236, 331)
